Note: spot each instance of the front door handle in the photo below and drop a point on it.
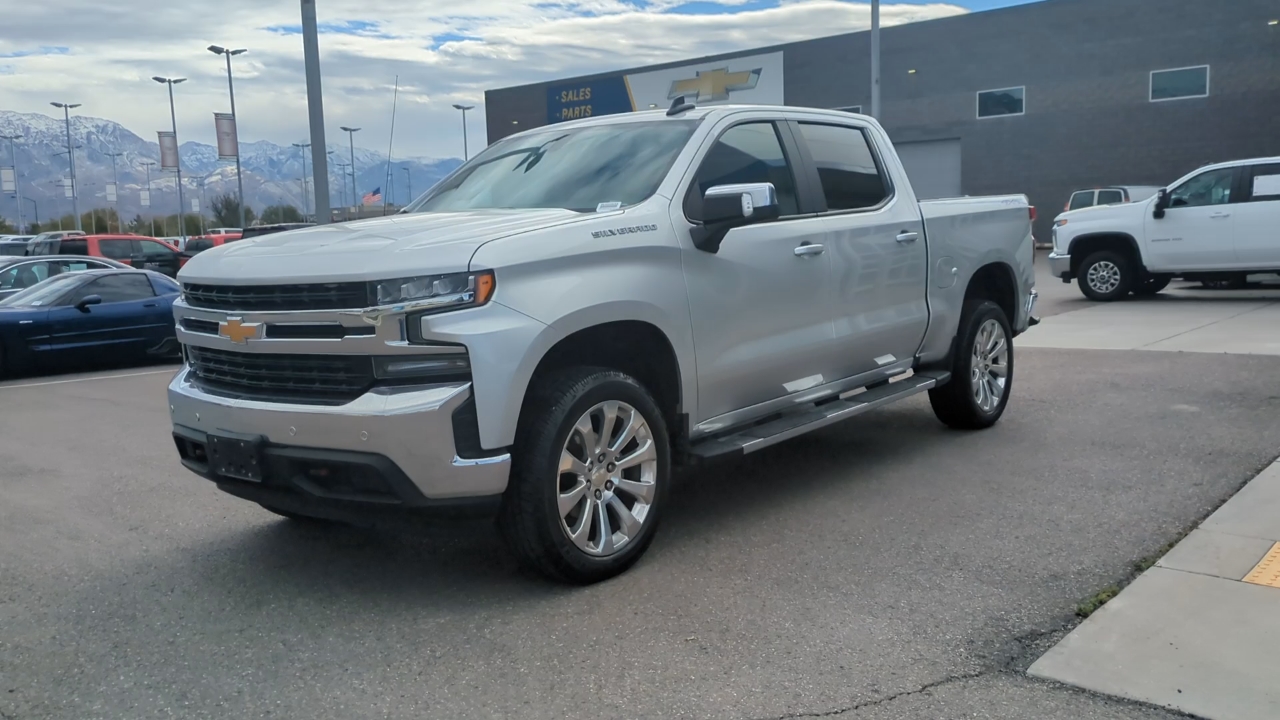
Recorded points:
(906, 236)
(1220, 215)
(810, 249)
(151, 304)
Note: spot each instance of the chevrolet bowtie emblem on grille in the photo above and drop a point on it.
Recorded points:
(237, 331)
(714, 85)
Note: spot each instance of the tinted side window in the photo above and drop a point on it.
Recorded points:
(23, 275)
(195, 246)
(116, 250)
(1110, 197)
(1082, 199)
(1265, 185)
(851, 180)
(74, 247)
(749, 153)
(153, 249)
(119, 288)
(1209, 188)
(164, 286)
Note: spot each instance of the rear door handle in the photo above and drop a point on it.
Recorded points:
(906, 236)
(810, 249)
(149, 304)
(1220, 215)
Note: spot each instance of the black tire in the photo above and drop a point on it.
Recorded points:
(530, 521)
(956, 403)
(1110, 261)
(1152, 284)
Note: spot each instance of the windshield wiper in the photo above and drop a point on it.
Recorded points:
(535, 154)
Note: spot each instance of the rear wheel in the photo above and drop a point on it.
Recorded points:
(1152, 284)
(981, 370)
(1105, 275)
(592, 465)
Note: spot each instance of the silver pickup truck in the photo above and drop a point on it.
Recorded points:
(551, 328)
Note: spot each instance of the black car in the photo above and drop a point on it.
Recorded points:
(93, 316)
(19, 273)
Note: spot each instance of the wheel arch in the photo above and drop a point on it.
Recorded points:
(1083, 246)
(995, 281)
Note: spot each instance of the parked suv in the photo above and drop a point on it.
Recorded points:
(144, 253)
(579, 307)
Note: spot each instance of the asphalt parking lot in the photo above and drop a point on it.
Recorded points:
(883, 568)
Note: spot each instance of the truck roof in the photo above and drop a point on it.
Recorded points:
(697, 113)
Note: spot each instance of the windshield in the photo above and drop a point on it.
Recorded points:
(43, 293)
(582, 169)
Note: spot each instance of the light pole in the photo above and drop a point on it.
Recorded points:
(408, 181)
(204, 202)
(149, 164)
(302, 148)
(342, 186)
(36, 208)
(17, 184)
(173, 117)
(216, 50)
(115, 180)
(464, 108)
(71, 158)
(351, 140)
(875, 59)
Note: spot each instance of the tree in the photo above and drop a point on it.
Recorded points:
(7, 229)
(281, 214)
(226, 212)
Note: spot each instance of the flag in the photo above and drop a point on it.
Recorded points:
(372, 197)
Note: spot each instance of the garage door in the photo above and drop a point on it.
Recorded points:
(933, 167)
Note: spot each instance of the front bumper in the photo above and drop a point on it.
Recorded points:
(390, 446)
(1060, 265)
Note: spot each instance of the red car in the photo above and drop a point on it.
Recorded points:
(140, 252)
(199, 244)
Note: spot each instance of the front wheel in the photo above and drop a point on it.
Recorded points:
(592, 465)
(1105, 276)
(981, 370)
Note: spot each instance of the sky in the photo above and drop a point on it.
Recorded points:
(103, 55)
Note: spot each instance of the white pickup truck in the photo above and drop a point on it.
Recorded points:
(1217, 225)
(544, 333)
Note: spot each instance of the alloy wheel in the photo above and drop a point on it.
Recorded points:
(989, 372)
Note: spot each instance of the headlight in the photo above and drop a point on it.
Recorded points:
(1059, 222)
(435, 292)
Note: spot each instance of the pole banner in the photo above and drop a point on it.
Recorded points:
(168, 150)
(224, 124)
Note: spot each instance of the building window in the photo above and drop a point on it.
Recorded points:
(855, 109)
(1191, 82)
(1008, 101)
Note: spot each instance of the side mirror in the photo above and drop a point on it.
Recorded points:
(1162, 203)
(86, 301)
(725, 207)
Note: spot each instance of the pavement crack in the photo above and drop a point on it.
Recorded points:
(888, 698)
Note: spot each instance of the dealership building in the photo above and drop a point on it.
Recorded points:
(1040, 99)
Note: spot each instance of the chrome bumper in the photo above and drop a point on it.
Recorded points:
(1060, 265)
(412, 427)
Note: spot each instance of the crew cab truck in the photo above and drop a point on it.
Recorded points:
(1216, 225)
(547, 331)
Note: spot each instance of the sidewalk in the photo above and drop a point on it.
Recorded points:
(1244, 325)
(1198, 632)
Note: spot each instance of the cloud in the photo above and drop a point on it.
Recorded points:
(104, 54)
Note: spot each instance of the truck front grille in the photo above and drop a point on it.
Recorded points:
(271, 298)
(305, 379)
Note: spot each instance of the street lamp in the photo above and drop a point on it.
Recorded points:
(71, 158)
(173, 117)
(17, 184)
(351, 135)
(408, 181)
(302, 148)
(36, 208)
(216, 50)
(342, 186)
(875, 59)
(115, 180)
(464, 109)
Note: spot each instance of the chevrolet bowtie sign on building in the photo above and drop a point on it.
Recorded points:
(756, 79)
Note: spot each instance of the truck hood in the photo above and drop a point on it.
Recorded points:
(373, 249)
(1106, 212)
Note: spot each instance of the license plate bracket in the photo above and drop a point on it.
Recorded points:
(235, 457)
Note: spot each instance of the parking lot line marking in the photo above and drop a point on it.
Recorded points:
(1267, 571)
(85, 379)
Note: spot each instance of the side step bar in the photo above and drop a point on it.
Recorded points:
(800, 422)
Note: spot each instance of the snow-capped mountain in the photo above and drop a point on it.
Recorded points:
(272, 173)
